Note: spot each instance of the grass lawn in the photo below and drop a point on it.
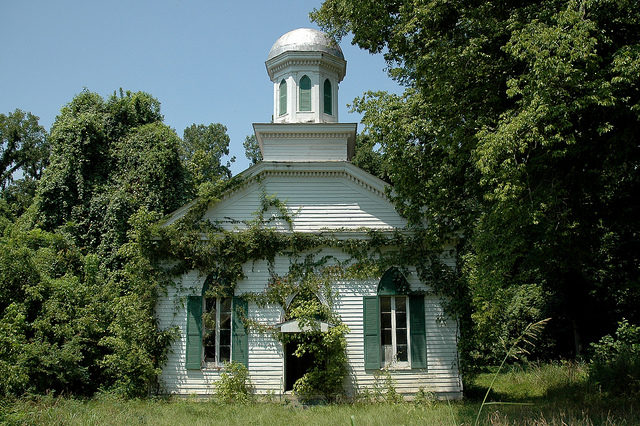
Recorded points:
(553, 394)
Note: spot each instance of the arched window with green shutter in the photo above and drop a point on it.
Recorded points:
(215, 330)
(328, 99)
(305, 93)
(283, 98)
(394, 325)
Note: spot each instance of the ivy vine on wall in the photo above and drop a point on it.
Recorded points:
(204, 245)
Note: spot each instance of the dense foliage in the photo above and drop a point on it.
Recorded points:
(615, 366)
(517, 135)
(78, 283)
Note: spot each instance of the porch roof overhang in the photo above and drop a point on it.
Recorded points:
(293, 326)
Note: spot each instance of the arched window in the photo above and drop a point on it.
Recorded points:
(394, 325)
(328, 99)
(283, 97)
(305, 93)
(215, 331)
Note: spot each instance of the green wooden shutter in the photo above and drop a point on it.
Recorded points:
(194, 332)
(418, 332)
(371, 332)
(328, 103)
(239, 339)
(283, 98)
(305, 93)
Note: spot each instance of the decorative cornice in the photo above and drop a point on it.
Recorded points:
(311, 135)
(303, 58)
(316, 173)
(305, 62)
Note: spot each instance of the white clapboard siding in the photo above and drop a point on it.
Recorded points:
(325, 149)
(266, 365)
(320, 201)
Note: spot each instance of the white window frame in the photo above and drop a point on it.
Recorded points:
(217, 362)
(394, 363)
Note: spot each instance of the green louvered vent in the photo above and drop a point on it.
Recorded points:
(418, 332)
(194, 332)
(283, 97)
(371, 333)
(305, 93)
(239, 339)
(328, 102)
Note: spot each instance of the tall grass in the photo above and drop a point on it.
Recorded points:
(558, 391)
(518, 347)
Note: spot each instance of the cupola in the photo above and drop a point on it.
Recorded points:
(305, 66)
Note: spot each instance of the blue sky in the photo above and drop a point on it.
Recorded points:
(203, 60)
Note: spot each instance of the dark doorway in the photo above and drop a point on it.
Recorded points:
(295, 367)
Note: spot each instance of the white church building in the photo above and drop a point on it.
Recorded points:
(306, 163)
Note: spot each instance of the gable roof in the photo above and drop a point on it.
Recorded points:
(369, 188)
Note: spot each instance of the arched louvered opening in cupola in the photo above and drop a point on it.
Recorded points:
(283, 98)
(328, 98)
(305, 93)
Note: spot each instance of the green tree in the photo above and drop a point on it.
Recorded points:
(23, 147)
(203, 148)
(252, 149)
(108, 159)
(368, 156)
(517, 134)
(24, 152)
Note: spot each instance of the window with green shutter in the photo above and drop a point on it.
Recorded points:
(194, 332)
(240, 341)
(394, 325)
(305, 93)
(371, 332)
(215, 331)
(328, 99)
(283, 97)
(418, 332)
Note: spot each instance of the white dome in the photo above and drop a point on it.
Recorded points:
(305, 40)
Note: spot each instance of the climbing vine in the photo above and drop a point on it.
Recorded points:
(205, 245)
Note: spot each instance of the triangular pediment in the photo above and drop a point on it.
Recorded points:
(319, 196)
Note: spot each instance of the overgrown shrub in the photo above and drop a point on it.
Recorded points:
(234, 384)
(69, 326)
(615, 365)
(326, 376)
(383, 389)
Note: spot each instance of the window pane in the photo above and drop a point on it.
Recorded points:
(225, 353)
(385, 320)
(225, 321)
(401, 304)
(401, 319)
(387, 354)
(210, 304)
(386, 337)
(402, 353)
(210, 347)
(225, 305)
(385, 304)
(225, 337)
(401, 336)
